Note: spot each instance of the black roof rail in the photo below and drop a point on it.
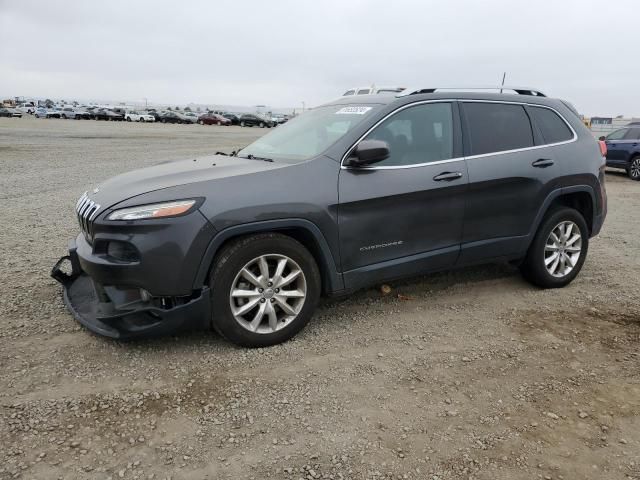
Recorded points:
(519, 90)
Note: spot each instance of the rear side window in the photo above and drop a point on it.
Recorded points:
(497, 127)
(632, 134)
(552, 127)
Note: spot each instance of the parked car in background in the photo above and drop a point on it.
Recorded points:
(251, 120)
(235, 119)
(42, 112)
(83, 114)
(279, 119)
(10, 112)
(29, 108)
(213, 119)
(189, 117)
(74, 113)
(623, 150)
(134, 116)
(108, 115)
(172, 117)
(373, 90)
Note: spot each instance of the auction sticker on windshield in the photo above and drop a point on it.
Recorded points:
(353, 110)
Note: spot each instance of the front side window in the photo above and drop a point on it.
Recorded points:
(497, 127)
(309, 134)
(416, 135)
(364, 91)
(552, 127)
(349, 92)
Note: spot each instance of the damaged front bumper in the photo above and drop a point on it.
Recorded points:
(124, 313)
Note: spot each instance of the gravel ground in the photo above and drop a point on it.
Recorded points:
(470, 374)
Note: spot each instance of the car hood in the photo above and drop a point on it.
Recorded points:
(172, 174)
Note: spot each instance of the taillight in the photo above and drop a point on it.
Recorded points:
(603, 147)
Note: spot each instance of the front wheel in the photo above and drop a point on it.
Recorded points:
(634, 169)
(265, 289)
(558, 250)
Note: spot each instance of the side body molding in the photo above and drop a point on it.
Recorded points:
(332, 279)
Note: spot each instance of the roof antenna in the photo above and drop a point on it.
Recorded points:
(504, 75)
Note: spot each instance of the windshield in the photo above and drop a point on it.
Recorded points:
(309, 134)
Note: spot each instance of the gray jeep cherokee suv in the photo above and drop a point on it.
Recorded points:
(354, 192)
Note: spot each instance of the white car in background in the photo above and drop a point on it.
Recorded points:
(133, 116)
(27, 108)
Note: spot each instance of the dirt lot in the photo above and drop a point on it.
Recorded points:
(466, 375)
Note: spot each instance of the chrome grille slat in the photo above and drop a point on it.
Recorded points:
(86, 210)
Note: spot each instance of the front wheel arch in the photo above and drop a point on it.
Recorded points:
(302, 230)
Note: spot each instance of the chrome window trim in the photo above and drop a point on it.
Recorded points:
(449, 160)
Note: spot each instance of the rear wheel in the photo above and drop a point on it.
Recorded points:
(558, 250)
(265, 290)
(634, 169)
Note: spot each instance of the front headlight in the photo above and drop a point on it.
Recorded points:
(156, 210)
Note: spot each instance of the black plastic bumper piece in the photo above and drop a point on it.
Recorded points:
(136, 321)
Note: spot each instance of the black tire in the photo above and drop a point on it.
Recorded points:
(533, 268)
(634, 168)
(163, 121)
(228, 264)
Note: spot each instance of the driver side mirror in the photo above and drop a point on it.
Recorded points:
(368, 152)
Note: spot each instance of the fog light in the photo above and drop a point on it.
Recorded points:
(122, 251)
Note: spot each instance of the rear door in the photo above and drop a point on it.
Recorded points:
(510, 176)
(404, 215)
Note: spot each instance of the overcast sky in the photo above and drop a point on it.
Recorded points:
(281, 53)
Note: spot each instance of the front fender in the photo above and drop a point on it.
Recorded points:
(332, 279)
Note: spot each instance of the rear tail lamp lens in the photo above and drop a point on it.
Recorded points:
(603, 147)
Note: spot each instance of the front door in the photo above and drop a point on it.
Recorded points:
(404, 215)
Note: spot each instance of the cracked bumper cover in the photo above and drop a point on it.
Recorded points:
(92, 305)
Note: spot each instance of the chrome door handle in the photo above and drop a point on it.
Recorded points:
(447, 176)
(543, 163)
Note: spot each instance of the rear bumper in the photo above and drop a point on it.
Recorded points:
(112, 312)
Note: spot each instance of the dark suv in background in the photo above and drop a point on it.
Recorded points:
(359, 191)
(623, 150)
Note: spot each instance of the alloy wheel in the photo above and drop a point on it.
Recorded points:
(268, 293)
(563, 249)
(634, 171)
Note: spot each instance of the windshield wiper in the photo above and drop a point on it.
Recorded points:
(254, 157)
(232, 154)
